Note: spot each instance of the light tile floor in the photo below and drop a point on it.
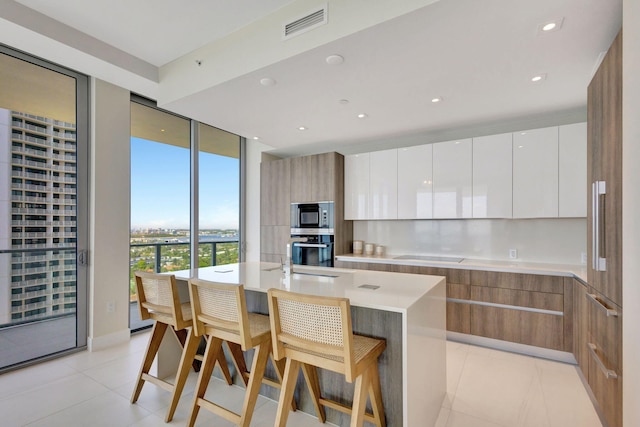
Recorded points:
(486, 388)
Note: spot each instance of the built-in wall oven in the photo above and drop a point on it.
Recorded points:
(313, 221)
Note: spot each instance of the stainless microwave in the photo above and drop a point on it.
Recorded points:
(312, 218)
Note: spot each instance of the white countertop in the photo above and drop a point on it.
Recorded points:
(396, 291)
(568, 270)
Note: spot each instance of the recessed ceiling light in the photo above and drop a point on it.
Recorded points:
(550, 26)
(334, 59)
(161, 130)
(302, 128)
(362, 116)
(267, 81)
(344, 101)
(256, 138)
(538, 78)
(436, 99)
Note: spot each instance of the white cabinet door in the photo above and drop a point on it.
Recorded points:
(535, 173)
(492, 176)
(356, 186)
(572, 170)
(415, 182)
(452, 179)
(383, 184)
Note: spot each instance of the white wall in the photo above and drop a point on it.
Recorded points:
(252, 226)
(109, 197)
(537, 240)
(630, 210)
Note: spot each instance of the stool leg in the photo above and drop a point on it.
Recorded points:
(375, 394)
(286, 393)
(313, 383)
(260, 357)
(360, 398)
(214, 345)
(188, 354)
(279, 368)
(238, 361)
(181, 335)
(152, 349)
(224, 367)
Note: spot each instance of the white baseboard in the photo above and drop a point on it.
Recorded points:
(106, 341)
(529, 350)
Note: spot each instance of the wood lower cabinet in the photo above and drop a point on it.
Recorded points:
(519, 326)
(521, 308)
(458, 313)
(581, 311)
(604, 347)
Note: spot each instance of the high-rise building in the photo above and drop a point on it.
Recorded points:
(37, 217)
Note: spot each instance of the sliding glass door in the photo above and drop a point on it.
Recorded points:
(43, 140)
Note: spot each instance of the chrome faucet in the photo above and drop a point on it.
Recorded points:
(288, 269)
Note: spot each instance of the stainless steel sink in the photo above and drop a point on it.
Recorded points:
(430, 258)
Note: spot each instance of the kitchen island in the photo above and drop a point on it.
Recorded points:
(407, 310)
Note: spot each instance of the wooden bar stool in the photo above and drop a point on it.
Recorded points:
(158, 300)
(311, 331)
(220, 313)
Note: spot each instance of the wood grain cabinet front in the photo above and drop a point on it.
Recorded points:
(604, 348)
(521, 308)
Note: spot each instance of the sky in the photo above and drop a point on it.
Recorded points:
(160, 193)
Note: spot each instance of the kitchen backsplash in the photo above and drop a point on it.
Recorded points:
(561, 241)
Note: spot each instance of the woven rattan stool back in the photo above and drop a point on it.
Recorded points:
(312, 329)
(220, 310)
(158, 299)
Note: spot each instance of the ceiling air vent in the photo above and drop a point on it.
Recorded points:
(308, 22)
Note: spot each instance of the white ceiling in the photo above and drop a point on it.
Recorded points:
(478, 55)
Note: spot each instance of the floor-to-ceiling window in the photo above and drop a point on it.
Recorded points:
(219, 196)
(43, 228)
(170, 156)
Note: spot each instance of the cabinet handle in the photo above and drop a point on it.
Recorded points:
(598, 188)
(608, 373)
(606, 310)
(310, 245)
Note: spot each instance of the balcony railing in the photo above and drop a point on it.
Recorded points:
(158, 246)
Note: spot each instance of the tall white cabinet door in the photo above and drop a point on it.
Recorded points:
(383, 184)
(415, 182)
(572, 168)
(535, 173)
(492, 176)
(452, 179)
(356, 186)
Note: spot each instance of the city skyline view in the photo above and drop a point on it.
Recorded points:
(160, 191)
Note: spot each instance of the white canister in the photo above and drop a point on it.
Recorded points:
(379, 250)
(357, 247)
(369, 248)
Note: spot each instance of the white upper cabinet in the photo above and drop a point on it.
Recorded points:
(492, 176)
(535, 173)
(573, 170)
(415, 182)
(452, 179)
(383, 184)
(356, 186)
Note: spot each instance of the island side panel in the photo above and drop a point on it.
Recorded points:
(426, 358)
(365, 321)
